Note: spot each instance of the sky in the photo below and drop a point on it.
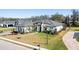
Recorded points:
(25, 13)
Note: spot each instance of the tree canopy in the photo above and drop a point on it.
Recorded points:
(57, 17)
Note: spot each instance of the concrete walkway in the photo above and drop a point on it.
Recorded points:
(70, 42)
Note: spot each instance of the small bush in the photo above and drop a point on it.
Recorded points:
(1, 31)
(14, 32)
(77, 39)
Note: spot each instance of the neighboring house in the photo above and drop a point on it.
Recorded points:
(24, 26)
(7, 23)
(76, 21)
(1, 23)
(48, 25)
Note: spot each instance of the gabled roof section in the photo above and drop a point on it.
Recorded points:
(7, 22)
(49, 22)
(25, 22)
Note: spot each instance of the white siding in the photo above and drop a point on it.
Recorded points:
(38, 28)
(1, 25)
(42, 27)
(59, 28)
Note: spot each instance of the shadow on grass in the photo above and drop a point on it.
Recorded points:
(76, 29)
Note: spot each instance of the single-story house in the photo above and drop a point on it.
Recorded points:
(27, 25)
(1, 23)
(48, 25)
(7, 23)
(24, 26)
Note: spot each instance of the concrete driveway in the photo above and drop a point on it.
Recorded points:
(70, 41)
(5, 45)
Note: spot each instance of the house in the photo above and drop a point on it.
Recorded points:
(76, 21)
(28, 25)
(24, 25)
(48, 25)
(1, 23)
(7, 23)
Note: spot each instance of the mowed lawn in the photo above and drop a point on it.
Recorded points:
(74, 29)
(54, 41)
(6, 29)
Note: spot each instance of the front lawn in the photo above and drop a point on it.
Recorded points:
(54, 41)
(6, 29)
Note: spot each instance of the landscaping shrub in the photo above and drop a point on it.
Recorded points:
(1, 31)
(15, 32)
(77, 39)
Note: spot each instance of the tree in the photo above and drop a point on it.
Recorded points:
(57, 17)
(38, 18)
(67, 21)
(75, 17)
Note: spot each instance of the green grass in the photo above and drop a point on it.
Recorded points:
(74, 29)
(6, 29)
(77, 39)
(54, 41)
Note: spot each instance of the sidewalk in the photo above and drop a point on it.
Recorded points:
(23, 44)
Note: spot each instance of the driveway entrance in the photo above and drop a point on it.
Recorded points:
(70, 42)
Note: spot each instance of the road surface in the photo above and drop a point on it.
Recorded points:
(70, 42)
(5, 45)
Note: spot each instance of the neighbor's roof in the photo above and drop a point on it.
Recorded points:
(1, 21)
(7, 22)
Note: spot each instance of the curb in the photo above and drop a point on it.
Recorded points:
(23, 44)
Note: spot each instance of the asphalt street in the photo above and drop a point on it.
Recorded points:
(5, 45)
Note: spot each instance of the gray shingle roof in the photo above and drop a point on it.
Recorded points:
(23, 22)
(7, 22)
(50, 22)
(1, 21)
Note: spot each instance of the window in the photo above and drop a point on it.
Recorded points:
(10, 25)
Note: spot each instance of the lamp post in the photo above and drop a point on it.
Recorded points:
(46, 35)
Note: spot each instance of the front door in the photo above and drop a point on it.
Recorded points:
(39, 28)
